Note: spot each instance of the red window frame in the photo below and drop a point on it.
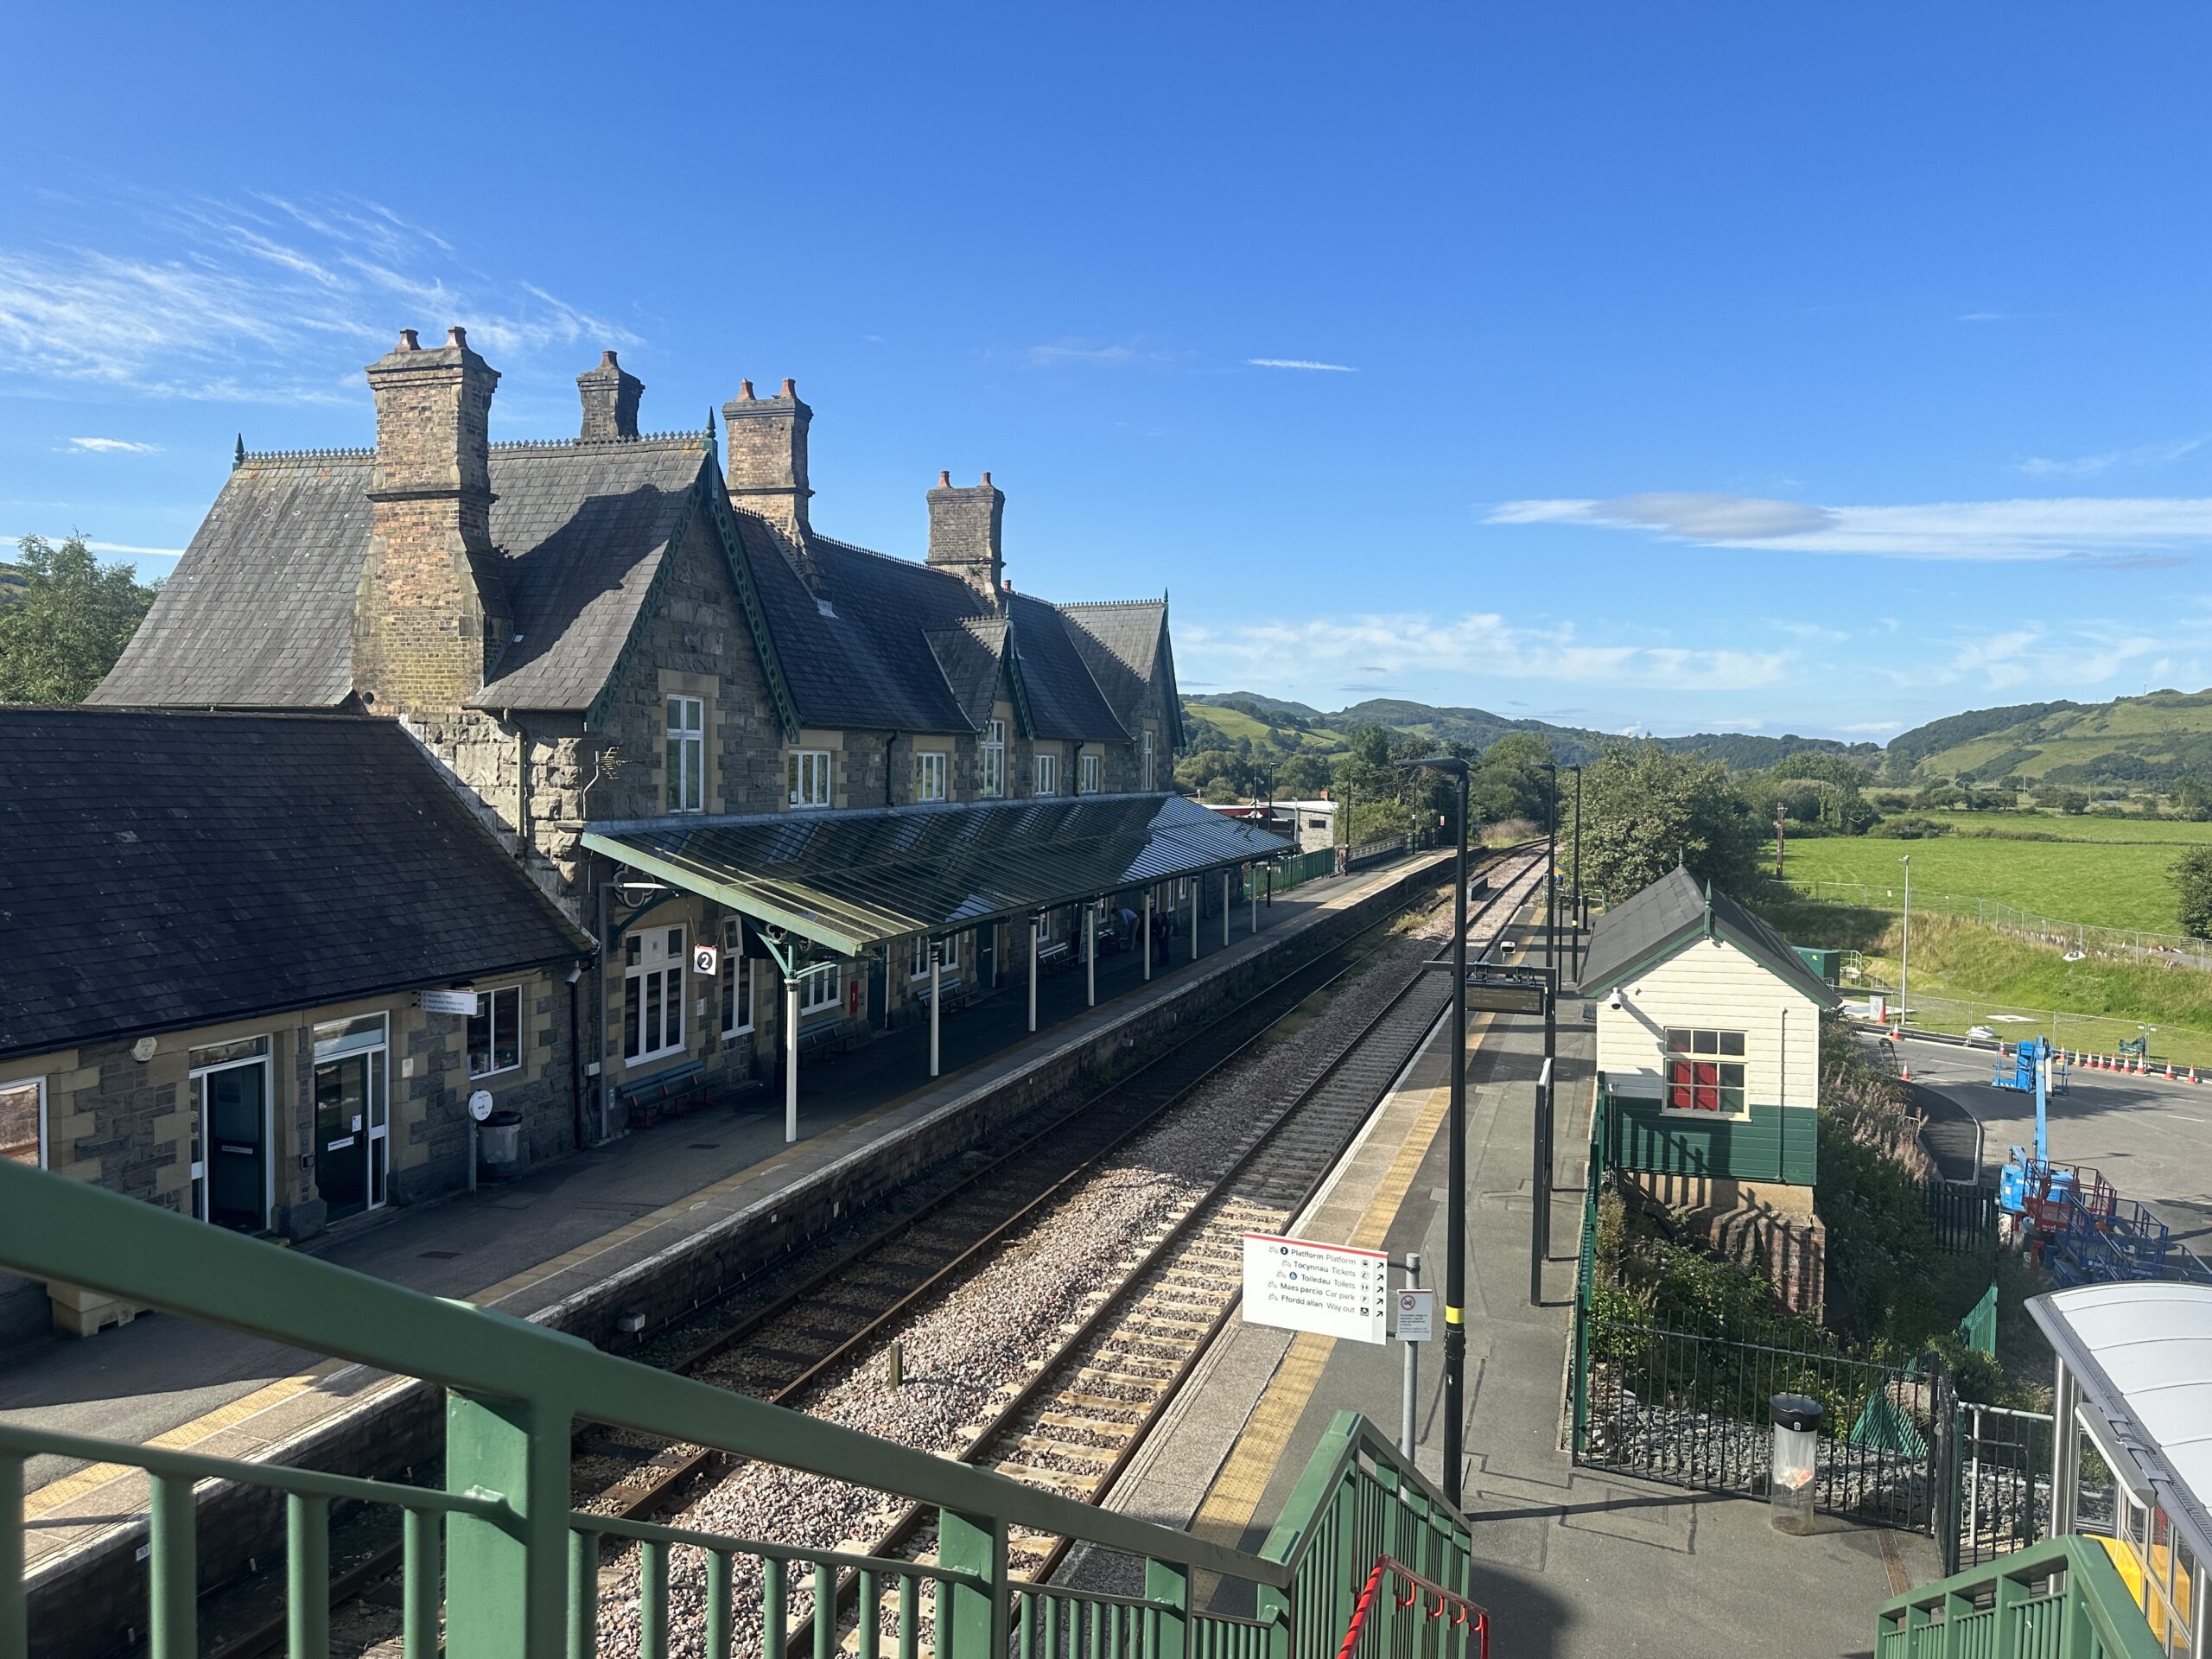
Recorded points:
(1705, 1071)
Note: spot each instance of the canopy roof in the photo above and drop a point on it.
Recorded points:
(2142, 1352)
(850, 881)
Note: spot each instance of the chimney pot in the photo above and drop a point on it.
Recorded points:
(457, 336)
(745, 390)
(790, 387)
(945, 479)
(610, 394)
(606, 360)
(764, 444)
(408, 341)
(987, 478)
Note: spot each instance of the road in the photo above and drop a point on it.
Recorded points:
(2152, 1139)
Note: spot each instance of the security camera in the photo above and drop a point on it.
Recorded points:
(1614, 1001)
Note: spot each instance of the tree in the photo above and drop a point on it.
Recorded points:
(1644, 809)
(2192, 874)
(1513, 779)
(1301, 777)
(66, 621)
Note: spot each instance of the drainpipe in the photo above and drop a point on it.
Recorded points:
(889, 743)
(522, 789)
(575, 1058)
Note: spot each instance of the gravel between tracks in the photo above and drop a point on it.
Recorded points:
(969, 1349)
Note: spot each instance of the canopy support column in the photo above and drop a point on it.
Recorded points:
(1147, 933)
(1224, 910)
(790, 1056)
(1194, 918)
(936, 951)
(1091, 954)
(1252, 891)
(1033, 973)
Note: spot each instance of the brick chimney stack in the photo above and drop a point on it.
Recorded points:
(965, 523)
(765, 439)
(430, 611)
(610, 394)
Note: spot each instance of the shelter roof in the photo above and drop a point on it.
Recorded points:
(2142, 1352)
(1650, 926)
(849, 880)
(177, 868)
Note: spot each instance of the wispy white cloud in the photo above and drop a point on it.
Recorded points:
(258, 299)
(2057, 528)
(1872, 727)
(2081, 655)
(114, 447)
(1404, 645)
(1066, 352)
(1299, 362)
(2144, 455)
(2001, 316)
(109, 547)
(1735, 723)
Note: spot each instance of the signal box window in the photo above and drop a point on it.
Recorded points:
(1705, 1071)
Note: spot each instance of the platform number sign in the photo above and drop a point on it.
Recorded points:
(1331, 1289)
(705, 960)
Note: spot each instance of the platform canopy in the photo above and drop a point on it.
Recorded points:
(852, 879)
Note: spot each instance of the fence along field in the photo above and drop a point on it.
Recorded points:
(2094, 882)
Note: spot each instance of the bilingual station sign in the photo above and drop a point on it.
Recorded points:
(1330, 1289)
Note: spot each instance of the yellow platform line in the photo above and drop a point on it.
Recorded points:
(1234, 1498)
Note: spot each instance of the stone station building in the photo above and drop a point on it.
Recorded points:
(615, 643)
(256, 966)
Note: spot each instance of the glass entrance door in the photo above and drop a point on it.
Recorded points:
(349, 1115)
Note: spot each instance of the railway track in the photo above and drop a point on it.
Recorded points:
(780, 1350)
(1074, 1426)
(776, 1352)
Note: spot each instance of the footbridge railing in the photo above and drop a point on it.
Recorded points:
(498, 1565)
(2063, 1598)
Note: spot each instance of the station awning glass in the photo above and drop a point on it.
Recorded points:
(849, 880)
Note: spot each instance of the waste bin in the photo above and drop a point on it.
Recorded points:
(1797, 1441)
(498, 1145)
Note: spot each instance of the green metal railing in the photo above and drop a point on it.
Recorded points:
(1585, 1275)
(1288, 872)
(2061, 1599)
(500, 1565)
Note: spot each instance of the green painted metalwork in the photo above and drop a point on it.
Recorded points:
(520, 1568)
(2062, 1599)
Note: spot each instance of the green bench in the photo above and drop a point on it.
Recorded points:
(672, 1092)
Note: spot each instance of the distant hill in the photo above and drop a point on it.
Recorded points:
(1251, 715)
(2150, 739)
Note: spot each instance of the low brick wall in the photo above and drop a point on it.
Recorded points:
(399, 1426)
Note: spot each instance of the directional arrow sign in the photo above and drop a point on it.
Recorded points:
(1331, 1289)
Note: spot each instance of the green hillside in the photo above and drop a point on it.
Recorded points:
(2150, 739)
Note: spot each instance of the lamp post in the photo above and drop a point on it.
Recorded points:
(1904, 960)
(1539, 1218)
(1455, 1202)
(1580, 919)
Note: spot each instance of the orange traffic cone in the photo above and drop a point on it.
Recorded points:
(2192, 1074)
(2170, 1070)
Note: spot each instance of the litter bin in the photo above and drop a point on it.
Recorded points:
(1796, 1441)
(498, 1145)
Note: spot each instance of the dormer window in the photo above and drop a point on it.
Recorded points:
(687, 755)
(990, 778)
(1048, 774)
(806, 776)
(1086, 774)
(929, 774)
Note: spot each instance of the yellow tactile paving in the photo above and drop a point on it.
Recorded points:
(1234, 1498)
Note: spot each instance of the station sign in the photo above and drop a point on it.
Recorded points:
(1331, 1290)
(446, 1002)
(1416, 1315)
(705, 960)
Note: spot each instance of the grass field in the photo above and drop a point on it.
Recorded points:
(2034, 826)
(2105, 882)
(1234, 723)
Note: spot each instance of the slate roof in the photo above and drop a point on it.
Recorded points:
(172, 869)
(259, 612)
(856, 879)
(1672, 910)
(1121, 642)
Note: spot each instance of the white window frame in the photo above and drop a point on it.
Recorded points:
(990, 780)
(918, 956)
(1046, 774)
(808, 779)
(686, 753)
(668, 965)
(811, 989)
(1087, 772)
(490, 1016)
(737, 981)
(932, 771)
(38, 1085)
(1148, 783)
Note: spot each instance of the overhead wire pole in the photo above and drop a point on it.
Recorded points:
(1455, 1205)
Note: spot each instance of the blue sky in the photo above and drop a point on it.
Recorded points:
(1782, 369)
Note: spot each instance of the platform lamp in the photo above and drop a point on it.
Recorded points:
(1455, 1203)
